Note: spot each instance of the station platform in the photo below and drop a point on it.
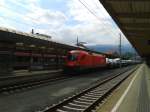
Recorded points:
(133, 95)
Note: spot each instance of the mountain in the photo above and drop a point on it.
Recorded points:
(111, 48)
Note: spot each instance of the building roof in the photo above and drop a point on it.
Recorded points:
(133, 18)
(14, 36)
(27, 38)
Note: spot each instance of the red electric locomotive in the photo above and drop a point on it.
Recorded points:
(79, 60)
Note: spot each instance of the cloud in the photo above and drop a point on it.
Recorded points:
(2, 3)
(86, 33)
(46, 17)
(6, 23)
(81, 13)
(37, 15)
(89, 29)
(63, 26)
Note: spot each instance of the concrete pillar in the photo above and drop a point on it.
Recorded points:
(31, 62)
(6, 58)
(148, 60)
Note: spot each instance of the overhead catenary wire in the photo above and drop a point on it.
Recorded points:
(113, 22)
(114, 34)
(104, 15)
(35, 25)
(35, 20)
(119, 31)
(118, 34)
(92, 12)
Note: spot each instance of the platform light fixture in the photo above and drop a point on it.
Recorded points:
(32, 45)
(19, 44)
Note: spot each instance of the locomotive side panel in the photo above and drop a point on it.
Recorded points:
(99, 61)
(85, 61)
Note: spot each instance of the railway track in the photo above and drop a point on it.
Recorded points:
(17, 84)
(86, 100)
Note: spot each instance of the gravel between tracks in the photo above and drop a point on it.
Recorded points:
(29, 101)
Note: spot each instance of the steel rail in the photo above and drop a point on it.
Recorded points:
(13, 84)
(87, 99)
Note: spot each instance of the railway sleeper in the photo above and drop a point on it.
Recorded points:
(94, 96)
(72, 109)
(98, 92)
(90, 98)
(59, 110)
(77, 104)
(82, 102)
(101, 88)
(86, 100)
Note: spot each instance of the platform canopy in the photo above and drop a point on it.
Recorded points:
(133, 18)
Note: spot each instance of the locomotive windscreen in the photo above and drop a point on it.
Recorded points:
(72, 57)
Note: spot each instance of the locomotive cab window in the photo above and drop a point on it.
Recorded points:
(72, 57)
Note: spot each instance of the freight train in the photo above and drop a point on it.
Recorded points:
(80, 60)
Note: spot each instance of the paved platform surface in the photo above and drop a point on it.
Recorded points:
(135, 96)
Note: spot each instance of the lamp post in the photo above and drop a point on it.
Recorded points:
(120, 53)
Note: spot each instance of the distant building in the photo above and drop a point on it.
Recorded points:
(43, 35)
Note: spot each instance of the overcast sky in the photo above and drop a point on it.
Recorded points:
(64, 20)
